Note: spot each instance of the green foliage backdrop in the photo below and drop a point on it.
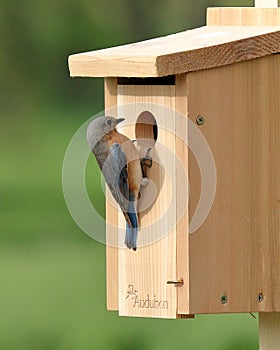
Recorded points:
(52, 276)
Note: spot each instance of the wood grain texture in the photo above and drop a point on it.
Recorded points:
(269, 335)
(110, 94)
(192, 50)
(143, 275)
(236, 250)
(182, 219)
(243, 16)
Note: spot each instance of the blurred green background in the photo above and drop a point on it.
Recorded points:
(52, 276)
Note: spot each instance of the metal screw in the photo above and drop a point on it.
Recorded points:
(199, 120)
(224, 299)
(178, 282)
(260, 297)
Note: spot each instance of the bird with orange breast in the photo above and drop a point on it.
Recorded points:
(120, 164)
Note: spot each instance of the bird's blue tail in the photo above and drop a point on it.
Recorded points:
(131, 231)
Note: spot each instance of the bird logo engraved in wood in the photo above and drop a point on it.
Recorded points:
(123, 168)
(149, 301)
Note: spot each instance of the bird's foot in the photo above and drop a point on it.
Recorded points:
(144, 181)
(146, 162)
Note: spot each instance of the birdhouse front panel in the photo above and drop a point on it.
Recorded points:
(143, 274)
(162, 244)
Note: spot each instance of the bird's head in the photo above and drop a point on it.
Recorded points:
(99, 127)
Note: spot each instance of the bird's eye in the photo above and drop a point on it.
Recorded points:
(109, 122)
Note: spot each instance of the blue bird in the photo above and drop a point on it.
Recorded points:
(120, 164)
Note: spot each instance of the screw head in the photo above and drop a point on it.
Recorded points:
(199, 120)
(260, 297)
(224, 299)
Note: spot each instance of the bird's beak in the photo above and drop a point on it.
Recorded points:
(119, 120)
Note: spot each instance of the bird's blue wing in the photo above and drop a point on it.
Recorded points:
(115, 173)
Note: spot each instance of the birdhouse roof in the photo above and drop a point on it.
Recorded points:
(191, 50)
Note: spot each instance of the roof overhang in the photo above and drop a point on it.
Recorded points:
(191, 50)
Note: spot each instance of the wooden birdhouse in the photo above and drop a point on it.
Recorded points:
(206, 102)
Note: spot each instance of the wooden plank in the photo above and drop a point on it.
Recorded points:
(143, 275)
(236, 251)
(192, 50)
(243, 16)
(110, 93)
(182, 220)
(269, 325)
(266, 3)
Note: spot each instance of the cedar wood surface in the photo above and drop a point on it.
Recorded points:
(192, 50)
